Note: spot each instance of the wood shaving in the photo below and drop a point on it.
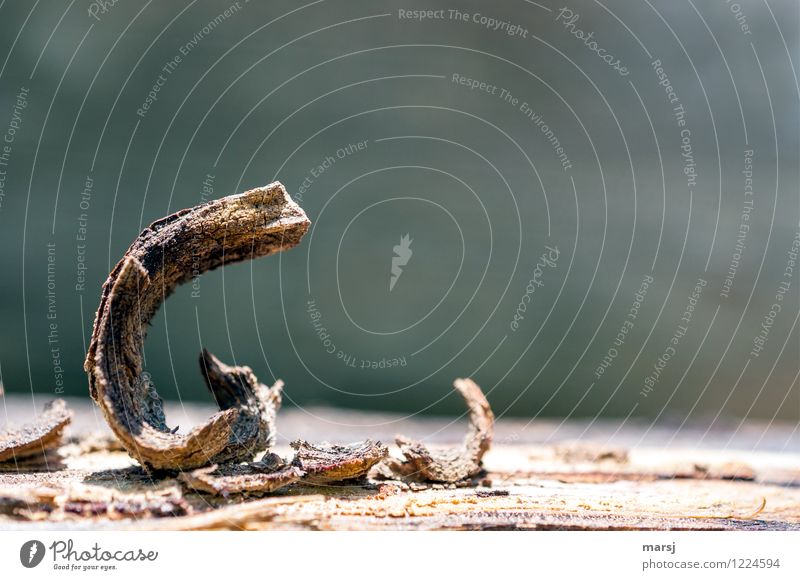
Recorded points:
(267, 475)
(452, 464)
(327, 463)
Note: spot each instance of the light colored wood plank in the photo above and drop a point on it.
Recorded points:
(535, 479)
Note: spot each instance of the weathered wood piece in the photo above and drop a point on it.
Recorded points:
(33, 441)
(452, 464)
(325, 462)
(168, 253)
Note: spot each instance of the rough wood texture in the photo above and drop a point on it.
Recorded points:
(34, 440)
(547, 475)
(327, 463)
(168, 253)
(453, 463)
(267, 475)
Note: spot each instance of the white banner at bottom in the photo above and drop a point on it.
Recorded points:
(386, 555)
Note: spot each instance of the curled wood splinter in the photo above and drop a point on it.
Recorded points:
(455, 464)
(168, 253)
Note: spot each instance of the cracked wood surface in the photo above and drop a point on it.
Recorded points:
(547, 475)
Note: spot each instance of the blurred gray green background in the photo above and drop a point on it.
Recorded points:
(247, 93)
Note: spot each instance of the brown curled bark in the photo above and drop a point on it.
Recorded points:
(37, 438)
(267, 475)
(238, 388)
(453, 464)
(326, 463)
(168, 253)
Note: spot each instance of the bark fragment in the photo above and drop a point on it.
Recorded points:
(36, 439)
(170, 252)
(267, 475)
(327, 463)
(452, 464)
(236, 387)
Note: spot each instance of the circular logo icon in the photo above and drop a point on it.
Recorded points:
(31, 553)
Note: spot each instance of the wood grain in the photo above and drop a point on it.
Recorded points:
(551, 475)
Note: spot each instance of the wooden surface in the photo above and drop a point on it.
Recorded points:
(549, 474)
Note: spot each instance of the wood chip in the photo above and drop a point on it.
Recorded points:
(36, 439)
(492, 493)
(267, 475)
(327, 463)
(236, 387)
(168, 253)
(453, 464)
